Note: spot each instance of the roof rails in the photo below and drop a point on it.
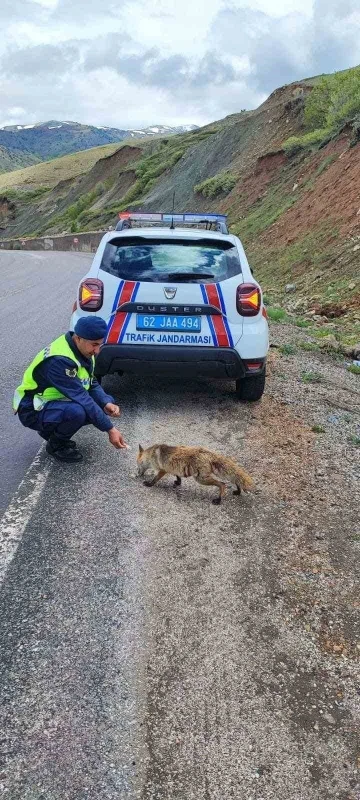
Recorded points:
(127, 217)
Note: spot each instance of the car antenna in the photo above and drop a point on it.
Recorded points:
(172, 226)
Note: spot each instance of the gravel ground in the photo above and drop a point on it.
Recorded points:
(155, 646)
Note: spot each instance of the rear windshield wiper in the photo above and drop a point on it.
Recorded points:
(184, 276)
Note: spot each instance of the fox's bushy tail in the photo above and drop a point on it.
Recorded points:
(227, 469)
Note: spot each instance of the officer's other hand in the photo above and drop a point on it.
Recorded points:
(112, 410)
(117, 440)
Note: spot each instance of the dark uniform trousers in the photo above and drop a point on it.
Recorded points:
(62, 418)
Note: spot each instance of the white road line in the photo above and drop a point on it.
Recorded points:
(20, 510)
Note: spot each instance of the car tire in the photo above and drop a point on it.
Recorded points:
(251, 388)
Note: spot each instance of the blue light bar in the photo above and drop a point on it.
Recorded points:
(137, 215)
(194, 217)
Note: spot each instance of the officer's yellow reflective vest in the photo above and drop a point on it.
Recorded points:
(59, 347)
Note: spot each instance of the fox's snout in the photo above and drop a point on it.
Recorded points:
(141, 461)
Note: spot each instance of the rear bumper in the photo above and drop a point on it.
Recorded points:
(214, 362)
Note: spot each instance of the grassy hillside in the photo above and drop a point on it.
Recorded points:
(86, 190)
(15, 159)
(286, 174)
(49, 173)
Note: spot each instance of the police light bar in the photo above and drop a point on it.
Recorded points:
(142, 217)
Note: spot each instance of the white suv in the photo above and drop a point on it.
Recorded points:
(180, 299)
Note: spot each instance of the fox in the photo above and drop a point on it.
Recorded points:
(197, 462)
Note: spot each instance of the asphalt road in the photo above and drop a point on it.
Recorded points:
(153, 646)
(37, 293)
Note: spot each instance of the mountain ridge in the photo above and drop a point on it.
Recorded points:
(21, 145)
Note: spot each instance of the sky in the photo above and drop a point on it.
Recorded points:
(133, 63)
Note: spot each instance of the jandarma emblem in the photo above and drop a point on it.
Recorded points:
(71, 373)
(169, 292)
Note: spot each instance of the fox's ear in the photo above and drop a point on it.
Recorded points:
(141, 449)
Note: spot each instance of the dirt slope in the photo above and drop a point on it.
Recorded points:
(181, 161)
(298, 216)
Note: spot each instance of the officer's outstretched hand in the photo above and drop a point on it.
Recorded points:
(112, 410)
(116, 439)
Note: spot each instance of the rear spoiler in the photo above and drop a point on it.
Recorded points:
(210, 220)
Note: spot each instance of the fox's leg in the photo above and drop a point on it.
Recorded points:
(237, 490)
(177, 482)
(211, 481)
(157, 478)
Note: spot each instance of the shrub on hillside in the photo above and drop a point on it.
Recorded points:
(317, 105)
(222, 183)
(333, 102)
(356, 130)
(76, 210)
(312, 139)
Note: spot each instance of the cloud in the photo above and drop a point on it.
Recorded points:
(293, 46)
(19, 9)
(84, 10)
(40, 60)
(127, 64)
(335, 34)
(275, 48)
(339, 9)
(174, 73)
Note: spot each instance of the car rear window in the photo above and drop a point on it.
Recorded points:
(163, 260)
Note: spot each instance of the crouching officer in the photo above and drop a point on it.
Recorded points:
(59, 393)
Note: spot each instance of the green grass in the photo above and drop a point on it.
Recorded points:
(310, 140)
(76, 214)
(222, 183)
(318, 429)
(355, 440)
(325, 163)
(321, 333)
(311, 377)
(49, 173)
(354, 369)
(27, 195)
(334, 101)
(276, 314)
(310, 347)
(269, 211)
(302, 323)
(300, 261)
(287, 350)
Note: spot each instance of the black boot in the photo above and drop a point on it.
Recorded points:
(70, 442)
(63, 450)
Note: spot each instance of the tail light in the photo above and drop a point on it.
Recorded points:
(91, 294)
(248, 299)
(253, 365)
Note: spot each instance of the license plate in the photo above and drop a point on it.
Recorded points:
(146, 322)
